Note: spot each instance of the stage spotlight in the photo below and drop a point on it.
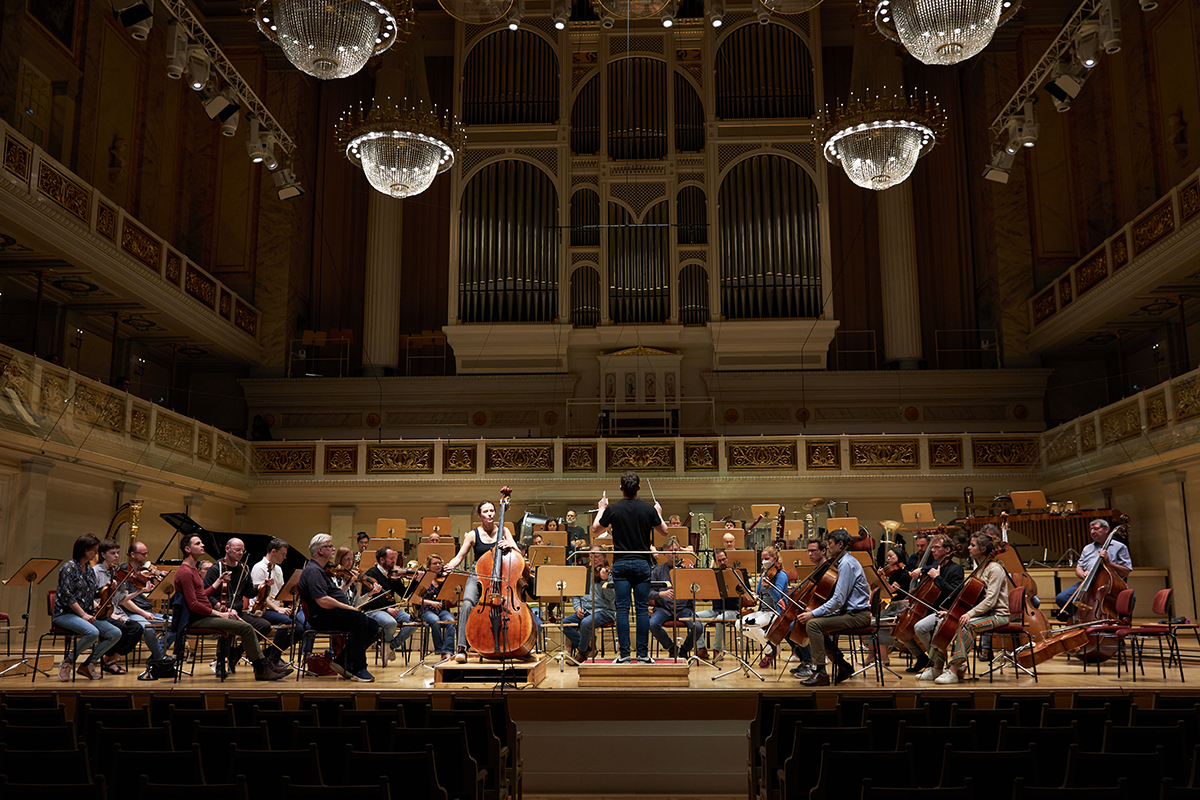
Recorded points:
(999, 167)
(177, 50)
(716, 13)
(1066, 80)
(198, 66)
(1087, 44)
(1027, 128)
(1110, 27)
(136, 15)
(515, 13)
(560, 13)
(286, 184)
(222, 106)
(260, 146)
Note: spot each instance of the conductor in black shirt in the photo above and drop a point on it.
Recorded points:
(633, 523)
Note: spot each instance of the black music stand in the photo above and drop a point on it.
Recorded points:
(29, 574)
(561, 582)
(701, 584)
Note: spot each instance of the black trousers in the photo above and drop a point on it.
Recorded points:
(361, 632)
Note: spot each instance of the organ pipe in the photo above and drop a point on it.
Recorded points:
(764, 72)
(511, 78)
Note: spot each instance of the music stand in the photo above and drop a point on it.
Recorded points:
(793, 529)
(699, 584)
(729, 584)
(848, 524)
(29, 574)
(438, 525)
(920, 513)
(445, 550)
(553, 539)
(560, 582)
(867, 560)
(746, 560)
(390, 529)
(1027, 501)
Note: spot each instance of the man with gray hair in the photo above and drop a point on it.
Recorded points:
(1117, 556)
(329, 610)
(848, 607)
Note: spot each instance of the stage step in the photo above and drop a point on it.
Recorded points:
(528, 673)
(634, 676)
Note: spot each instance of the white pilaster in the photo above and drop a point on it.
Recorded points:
(898, 278)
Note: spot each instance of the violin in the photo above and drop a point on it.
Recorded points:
(347, 576)
(259, 603)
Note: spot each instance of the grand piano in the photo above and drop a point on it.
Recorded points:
(214, 544)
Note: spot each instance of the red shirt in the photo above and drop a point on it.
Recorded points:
(188, 581)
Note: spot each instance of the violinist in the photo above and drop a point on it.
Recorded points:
(347, 577)
(238, 588)
(848, 607)
(668, 605)
(74, 603)
(268, 572)
(991, 612)
(384, 607)
(434, 610)
(478, 540)
(596, 606)
(111, 610)
(728, 609)
(1117, 556)
(772, 587)
(137, 604)
(329, 610)
(948, 576)
(895, 576)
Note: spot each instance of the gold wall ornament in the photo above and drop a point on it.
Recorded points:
(458, 458)
(700, 456)
(1004, 453)
(246, 318)
(1156, 410)
(946, 453)
(650, 456)
(200, 286)
(1189, 199)
(204, 445)
(519, 458)
(889, 454)
(174, 267)
(399, 458)
(230, 454)
(102, 409)
(106, 221)
(54, 392)
(74, 197)
(138, 242)
(171, 434)
(16, 158)
(1044, 306)
(1152, 227)
(579, 457)
(139, 423)
(1120, 251)
(1187, 398)
(762, 455)
(1087, 436)
(341, 460)
(285, 459)
(1062, 446)
(1121, 424)
(226, 304)
(1091, 272)
(1064, 292)
(823, 454)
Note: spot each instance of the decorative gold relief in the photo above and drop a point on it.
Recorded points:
(174, 267)
(172, 434)
(762, 455)
(946, 453)
(226, 303)
(458, 459)
(823, 454)
(204, 444)
(54, 392)
(1087, 436)
(139, 424)
(200, 286)
(647, 456)
(1004, 453)
(1062, 447)
(246, 318)
(399, 458)
(579, 457)
(1091, 272)
(230, 454)
(1064, 292)
(102, 409)
(1152, 227)
(1044, 306)
(138, 242)
(1186, 393)
(890, 454)
(1156, 410)
(106, 221)
(700, 456)
(15, 379)
(519, 458)
(1189, 199)
(16, 158)
(1121, 424)
(285, 460)
(341, 460)
(72, 196)
(1120, 250)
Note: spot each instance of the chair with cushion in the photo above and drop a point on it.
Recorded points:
(1139, 635)
(379, 790)
(280, 723)
(1168, 740)
(1143, 771)
(215, 740)
(987, 722)
(959, 766)
(1052, 745)
(127, 767)
(800, 768)
(419, 770)
(934, 738)
(262, 768)
(243, 707)
(1115, 630)
(886, 722)
(1011, 636)
(457, 772)
(842, 772)
(38, 737)
(1091, 723)
(45, 766)
(1023, 790)
(379, 725)
(1029, 706)
(330, 741)
(33, 716)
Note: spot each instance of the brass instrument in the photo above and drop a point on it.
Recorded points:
(890, 526)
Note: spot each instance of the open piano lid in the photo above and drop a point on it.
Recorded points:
(214, 544)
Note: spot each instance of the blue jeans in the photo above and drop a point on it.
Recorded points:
(631, 577)
(584, 632)
(662, 616)
(391, 628)
(719, 634)
(88, 633)
(149, 634)
(438, 622)
(1064, 596)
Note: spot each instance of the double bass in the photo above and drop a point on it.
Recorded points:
(501, 624)
(1095, 602)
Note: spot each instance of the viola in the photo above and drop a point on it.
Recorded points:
(259, 603)
(501, 624)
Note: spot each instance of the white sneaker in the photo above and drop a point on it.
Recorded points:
(947, 677)
(389, 654)
(930, 674)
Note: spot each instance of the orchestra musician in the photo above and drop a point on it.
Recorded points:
(131, 632)
(848, 607)
(269, 570)
(1117, 556)
(329, 610)
(990, 612)
(577, 536)
(948, 576)
(728, 609)
(633, 523)
(362, 542)
(596, 606)
(201, 614)
(479, 540)
(74, 603)
(668, 605)
(729, 542)
(896, 578)
(434, 610)
(771, 589)
(240, 589)
(384, 608)
(137, 604)
(920, 542)
(817, 550)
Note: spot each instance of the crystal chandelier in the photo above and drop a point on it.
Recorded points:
(630, 9)
(940, 31)
(789, 6)
(476, 12)
(331, 39)
(400, 150)
(878, 141)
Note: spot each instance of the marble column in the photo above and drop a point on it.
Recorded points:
(381, 312)
(898, 278)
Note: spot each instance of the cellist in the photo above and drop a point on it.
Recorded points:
(990, 612)
(479, 539)
(1117, 556)
(948, 577)
(848, 607)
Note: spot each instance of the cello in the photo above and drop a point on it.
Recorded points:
(501, 624)
(1095, 602)
(812, 591)
(1032, 617)
(923, 596)
(969, 595)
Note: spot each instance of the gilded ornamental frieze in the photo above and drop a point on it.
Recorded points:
(1064, 292)
(245, 318)
(230, 454)
(1120, 424)
(102, 409)
(1044, 306)
(885, 454)
(54, 392)
(174, 267)
(1087, 435)
(383, 459)
(17, 158)
(823, 454)
(458, 458)
(762, 455)
(1007, 453)
(641, 456)
(1152, 227)
(139, 423)
(106, 221)
(341, 460)
(172, 434)
(946, 453)
(200, 286)
(1062, 446)
(285, 459)
(1091, 272)
(1189, 199)
(1156, 410)
(136, 241)
(1120, 251)
(74, 197)
(226, 304)
(519, 458)
(579, 457)
(700, 456)
(204, 444)
(1187, 398)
